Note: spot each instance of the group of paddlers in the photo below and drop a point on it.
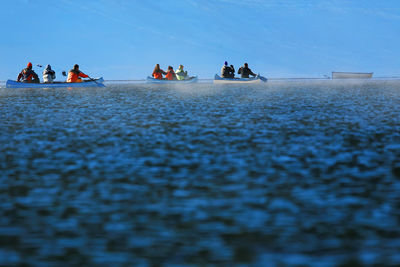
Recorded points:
(170, 74)
(229, 71)
(180, 74)
(28, 75)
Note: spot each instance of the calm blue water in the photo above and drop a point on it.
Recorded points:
(275, 175)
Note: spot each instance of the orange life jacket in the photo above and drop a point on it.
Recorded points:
(158, 74)
(170, 75)
(73, 76)
(27, 75)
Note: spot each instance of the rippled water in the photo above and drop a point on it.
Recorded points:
(282, 174)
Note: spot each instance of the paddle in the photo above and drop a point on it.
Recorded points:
(262, 78)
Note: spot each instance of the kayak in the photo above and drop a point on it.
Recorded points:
(257, 79)
(157, 81)
(89, 83)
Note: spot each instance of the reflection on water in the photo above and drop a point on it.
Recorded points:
(284, 174)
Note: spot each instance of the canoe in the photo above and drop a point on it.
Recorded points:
(257, 79)
(351, 75)
(157, 81)
(90, 83)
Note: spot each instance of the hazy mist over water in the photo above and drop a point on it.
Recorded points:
(284, 173)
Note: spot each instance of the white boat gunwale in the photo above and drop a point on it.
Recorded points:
(258, 79)
(152, 80)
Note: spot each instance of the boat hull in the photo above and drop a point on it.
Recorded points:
(91, 83)
(255, 80)
(351, 75)
(157, 81)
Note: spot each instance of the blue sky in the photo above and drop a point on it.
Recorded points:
(125, 39)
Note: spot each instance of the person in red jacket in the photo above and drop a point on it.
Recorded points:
(158, 73)
(170, 74)
(27, 75)
(75, 75)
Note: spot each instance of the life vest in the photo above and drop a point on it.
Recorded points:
(170, 75)
(245, 72)
(27, 75)
(73, 76)
(180, 74)
(227, 72)
(48, 75)
(158, 75)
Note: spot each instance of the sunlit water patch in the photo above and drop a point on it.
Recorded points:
(286, 173)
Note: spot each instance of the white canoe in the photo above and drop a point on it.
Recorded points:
(257, 79)
(351, 75)
(158, 81)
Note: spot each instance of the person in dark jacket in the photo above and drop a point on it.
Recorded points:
(245, 71)
(27, 75)
(227, 71)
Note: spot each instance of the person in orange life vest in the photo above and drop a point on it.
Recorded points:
(75, 74)
(158, 73)
(27, 75)
(170, 74)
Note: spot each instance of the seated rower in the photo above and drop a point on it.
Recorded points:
(227, 71)
(170, 74)
(245, 71)
(27, 75)
(48, 75)
(75, 74)
(181, 74)
(158, 73)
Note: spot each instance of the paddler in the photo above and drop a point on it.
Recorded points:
(27, 75)
(75, 75)
(245, 71)
(158, 73)
(48, 75)
(180, 73)
(227, 71)
(170, 74)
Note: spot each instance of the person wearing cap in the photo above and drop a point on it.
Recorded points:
(75, 75)
(180, 73)
(27, 75)
(245, 71)
(227, 71)
(48, 75)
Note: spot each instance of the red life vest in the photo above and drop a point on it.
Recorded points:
(158, 74)
(27, 75)
(73, 76)
(170, 75)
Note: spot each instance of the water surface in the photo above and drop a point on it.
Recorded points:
(281, 174)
